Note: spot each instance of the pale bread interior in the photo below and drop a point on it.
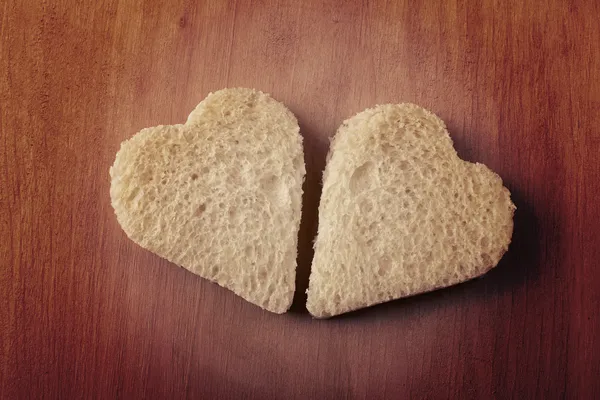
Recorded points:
(401, 213)
(220, 195)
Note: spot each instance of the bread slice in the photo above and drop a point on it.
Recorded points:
(401, 213)
(220, 195)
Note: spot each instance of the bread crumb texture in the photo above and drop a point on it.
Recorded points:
(401, 213)
(220, 195)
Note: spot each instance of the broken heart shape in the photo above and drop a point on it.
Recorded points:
(400, 212)
(205, 194)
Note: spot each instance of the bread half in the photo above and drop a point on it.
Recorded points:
(220, 195)
(401, 213)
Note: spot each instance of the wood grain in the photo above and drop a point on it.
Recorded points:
(85, 313)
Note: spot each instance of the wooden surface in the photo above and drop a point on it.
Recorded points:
(85, 313)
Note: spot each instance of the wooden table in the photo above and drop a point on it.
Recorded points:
(85, 313)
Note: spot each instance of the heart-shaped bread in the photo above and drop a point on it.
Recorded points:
(401, 213)
(220, 195)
